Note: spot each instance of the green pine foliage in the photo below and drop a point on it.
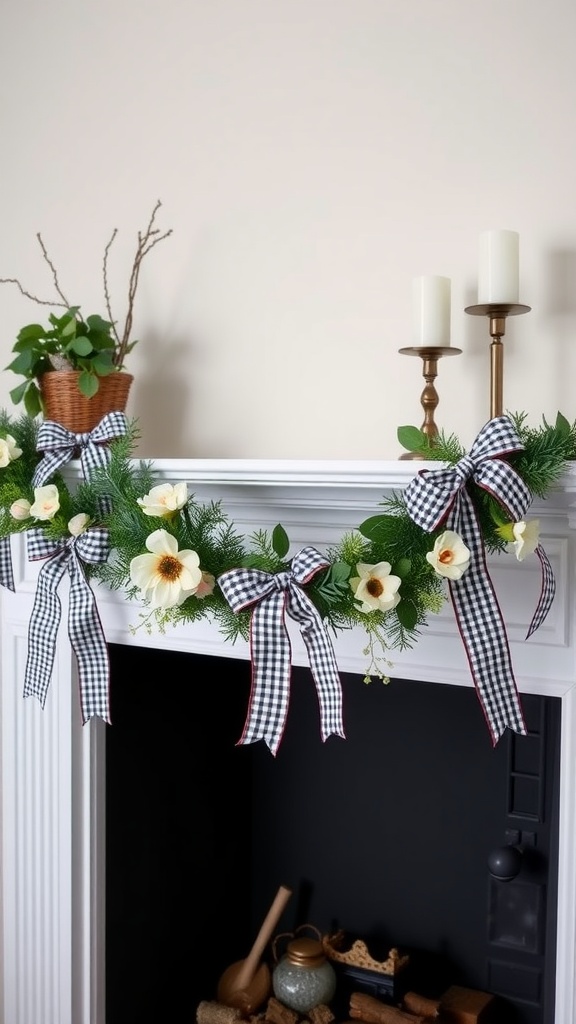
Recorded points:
(111, 499)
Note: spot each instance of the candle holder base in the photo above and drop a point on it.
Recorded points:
(497, 312)
(429, 354)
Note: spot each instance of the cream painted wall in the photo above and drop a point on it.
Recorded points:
(312, 157)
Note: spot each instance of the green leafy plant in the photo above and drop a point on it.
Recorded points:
(93, 345)
(69, 342)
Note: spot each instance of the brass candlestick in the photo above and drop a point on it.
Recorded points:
(429, 354)
(497, 311)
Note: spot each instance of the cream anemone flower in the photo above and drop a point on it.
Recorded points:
(9, 451)
(450, 557)
(164, 500)
(526, 537)
(20, 509)
(375, 588)
(78, 524)
(46, 502)
(166, 576)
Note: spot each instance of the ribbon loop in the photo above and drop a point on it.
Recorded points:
(432, 493)
(441, 497)
(271, 596)
(84, 626)
(60, 445)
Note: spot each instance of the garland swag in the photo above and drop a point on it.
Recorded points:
(186, 561)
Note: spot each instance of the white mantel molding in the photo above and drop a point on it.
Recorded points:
(53, 769)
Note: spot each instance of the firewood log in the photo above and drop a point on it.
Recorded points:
(413, 1003)
(277, 1013)
(321, 1014)
(374, 1011)
(211, 1012)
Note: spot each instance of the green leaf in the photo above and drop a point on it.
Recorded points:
(97, 324)
(60, 322)
(88, 383)
(81, 346)
(377, 528)
(562, 425)
(280, 541)
(17, 394)
(22, 363)
(407, 614)
(30, 333)
(339, 572)
(32, 400)
(412, 439)
(334, 583)
(69, 328)
(402, 568)
(102, 364)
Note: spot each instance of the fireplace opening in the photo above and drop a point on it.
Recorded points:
(386, 834)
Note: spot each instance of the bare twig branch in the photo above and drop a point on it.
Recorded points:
(28, 295)
(106, 290)
(54, 274)
(146, 242)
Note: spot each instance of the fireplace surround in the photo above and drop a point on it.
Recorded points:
(53, 769)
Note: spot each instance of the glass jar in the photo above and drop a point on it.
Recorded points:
(303, 978)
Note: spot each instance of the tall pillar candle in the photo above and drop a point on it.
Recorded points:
(431, 311)
(498, 275)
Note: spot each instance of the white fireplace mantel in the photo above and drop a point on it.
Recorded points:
(53, 768)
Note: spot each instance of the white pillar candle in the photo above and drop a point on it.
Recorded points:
(431, 311)
(498, 277)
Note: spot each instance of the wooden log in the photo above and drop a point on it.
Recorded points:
(413, 1003)
(460, 1005)
(211, 1012)
(277, 1013)
(321, 1014)
(373, 1011)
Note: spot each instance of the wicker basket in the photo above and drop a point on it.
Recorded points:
(65, 404)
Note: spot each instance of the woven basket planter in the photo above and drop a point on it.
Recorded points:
(65, 404)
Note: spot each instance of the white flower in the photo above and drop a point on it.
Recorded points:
(526, 537)
(78, 524)
(167, 576)
(8, 451)
(164, 500)
(46, 502)
(20, 509)
(450, 557)
(375, 588)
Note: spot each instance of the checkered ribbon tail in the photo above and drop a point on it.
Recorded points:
(547, 593)
(270, 597)
(6, 570)
(60, 446)
(84, 626)
(440, 497)
(483, 630)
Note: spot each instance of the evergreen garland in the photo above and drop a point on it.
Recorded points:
(390, 536)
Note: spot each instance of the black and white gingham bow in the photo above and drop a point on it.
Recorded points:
(271, 596)
(60, 445)
(84, 626)
(439, 497)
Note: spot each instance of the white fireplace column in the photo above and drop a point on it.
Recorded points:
(53, 768)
